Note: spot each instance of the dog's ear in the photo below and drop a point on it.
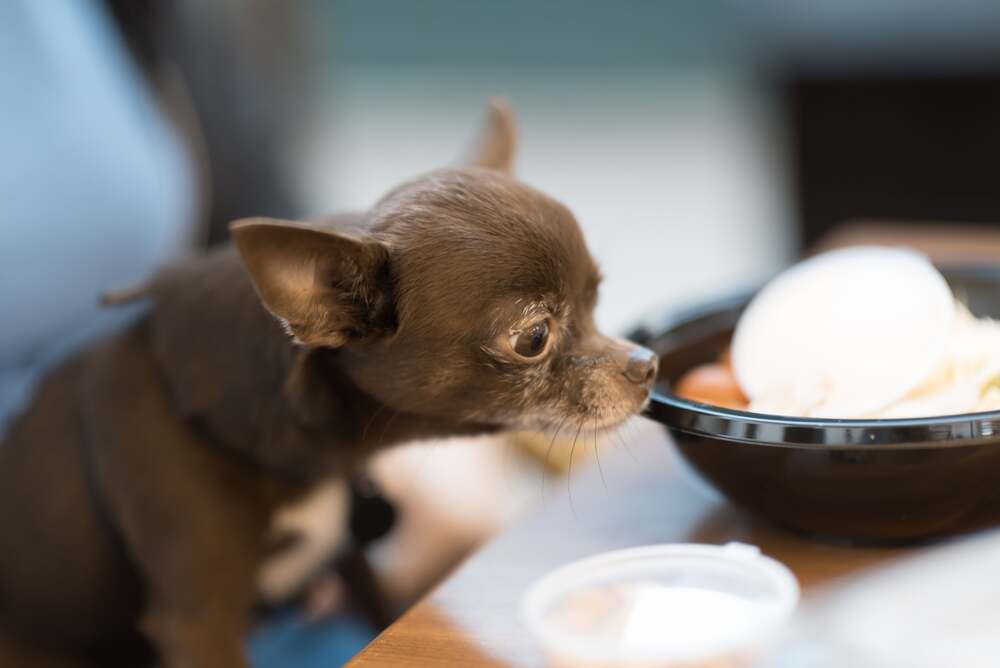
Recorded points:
(496, 143)
(328, 288)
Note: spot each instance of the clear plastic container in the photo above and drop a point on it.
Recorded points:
(662, 606)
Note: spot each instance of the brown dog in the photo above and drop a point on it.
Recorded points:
(139, 494)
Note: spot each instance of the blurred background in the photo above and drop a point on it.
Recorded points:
(702, 144)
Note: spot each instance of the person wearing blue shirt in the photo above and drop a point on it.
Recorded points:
(99, 188)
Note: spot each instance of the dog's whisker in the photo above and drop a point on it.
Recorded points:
(632, 426)
(621, 439)
(385, 428)
(371, 420)
(597, 456)
(569, 474)
(548, 450)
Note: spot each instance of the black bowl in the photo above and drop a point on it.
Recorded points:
(863, 480)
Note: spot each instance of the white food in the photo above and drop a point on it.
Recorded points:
(685, 621)
(967, 379)
(845, 334)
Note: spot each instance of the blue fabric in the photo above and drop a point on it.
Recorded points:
(289, 641)
(96, 189)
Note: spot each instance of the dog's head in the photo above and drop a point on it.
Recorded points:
(465, 294)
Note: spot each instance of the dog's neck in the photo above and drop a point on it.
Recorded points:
(232, 371)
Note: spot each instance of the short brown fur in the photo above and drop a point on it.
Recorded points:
(136, 492)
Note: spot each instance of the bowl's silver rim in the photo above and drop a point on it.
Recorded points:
(692, 417)
(784, 431)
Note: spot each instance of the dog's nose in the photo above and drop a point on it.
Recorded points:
(641, 366)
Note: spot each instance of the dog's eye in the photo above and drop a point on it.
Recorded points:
(531, 342)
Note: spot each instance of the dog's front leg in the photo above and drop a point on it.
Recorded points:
(193, 641)
(191, 515)
(199, 600)
(195, 530)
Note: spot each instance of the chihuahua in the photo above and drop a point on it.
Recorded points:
(144, 493)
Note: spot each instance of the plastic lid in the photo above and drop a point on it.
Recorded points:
(680, 602)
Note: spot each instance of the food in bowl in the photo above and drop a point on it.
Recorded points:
(871, 481)
(714, 384)
(861, 333)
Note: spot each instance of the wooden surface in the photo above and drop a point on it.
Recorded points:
(646, 495)
(943, 242)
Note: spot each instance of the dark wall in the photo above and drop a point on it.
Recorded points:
(910, 147)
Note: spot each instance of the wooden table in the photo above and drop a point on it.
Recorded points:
(645, 495)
